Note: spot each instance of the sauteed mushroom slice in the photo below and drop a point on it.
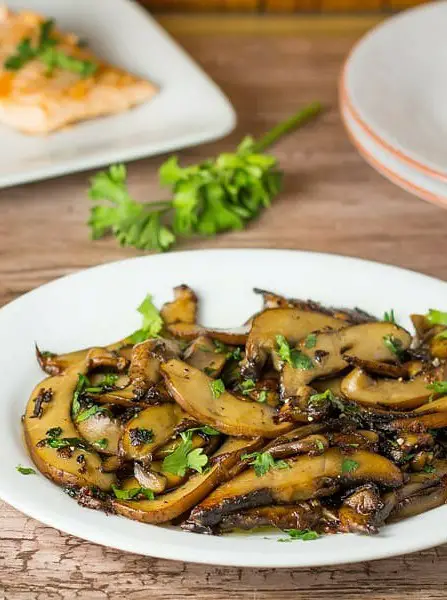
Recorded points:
(144, 371)
(183, 309)
(328, 356)
(197, 394)
(421, 502)
(292, 323)
(52, 438)
(236, 336)
(150, 429)
(305, 515)
(172, 504)
(102, 431)
(361, 510)
(393, 393)
(439, 405)
(305, 478)
(204, 355)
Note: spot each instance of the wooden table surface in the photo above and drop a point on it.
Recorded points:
(332, 202)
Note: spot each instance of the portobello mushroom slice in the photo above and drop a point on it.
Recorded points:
(193, 391)
(392, 393)
(150, 429)
(307, 477)
(305, 515)
(183, 309)
(292, 323)
(422, 423)
(353, 316)
(102, 431)
(204, 355)
(421, 502)
(144, 370)
(439, 405)
(172, 504)
(55, 364)
(49, 412)
(361, 511)
(332, 350)
(236, 336)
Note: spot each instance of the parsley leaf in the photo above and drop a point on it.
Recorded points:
(132, 493)
(108, 381)
(217, 387)
(394, 345)
(213, 196)
(295, 358)
(184, 457)
(48, 54)
(25, 470)
(310, 341)
(429, 469)
(349, 466)
(305, 535)
(262, 396)
(54, 432)
(438, 387)
(436, 317)
(206, 429)
(389, 316)
(83, 382)
(247, 386)
(83, 415)
(102, 443)
(152, 321)
(262, 462)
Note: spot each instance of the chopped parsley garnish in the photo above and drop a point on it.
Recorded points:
(217, 387)
(56, 442)
(310, 341)
(319, 444)
(389, 316)
(429, 469)
(262, 396)
(54, 432)
(132, 493)
(320, 398)
(139, 436)
(436, 317)
(25, 470)
(438, 387)
(102, 443)
(293, 357)
(46, 52)
(304, 535)
(262, 462)
(349, 466)
(83, 382)
(108, 381)
(152, 322)
(184, 457)
(247, 386)
(394, 345)
(221, 348)
(85, 414)
(206, 430)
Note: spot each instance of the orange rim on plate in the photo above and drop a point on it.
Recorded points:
(397, 153)
(390, 174)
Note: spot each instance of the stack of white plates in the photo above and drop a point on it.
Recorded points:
(393, 94)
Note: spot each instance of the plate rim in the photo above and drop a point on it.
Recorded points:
(406, 157)
(170, 550)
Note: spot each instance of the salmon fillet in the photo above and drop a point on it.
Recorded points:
(37, 99)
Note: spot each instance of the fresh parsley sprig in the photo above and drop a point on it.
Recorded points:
(184, 457)
(45, 50)
(214, 196)
(262, 462)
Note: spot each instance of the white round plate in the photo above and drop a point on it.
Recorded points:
(396, 84)
(97, 306)
(391, 167)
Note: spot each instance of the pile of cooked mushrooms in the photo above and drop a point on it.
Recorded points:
(306, 418)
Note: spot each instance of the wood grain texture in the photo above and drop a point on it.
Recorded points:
(332, 202)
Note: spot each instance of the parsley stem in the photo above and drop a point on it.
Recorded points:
(300, 118)
(161, 204)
